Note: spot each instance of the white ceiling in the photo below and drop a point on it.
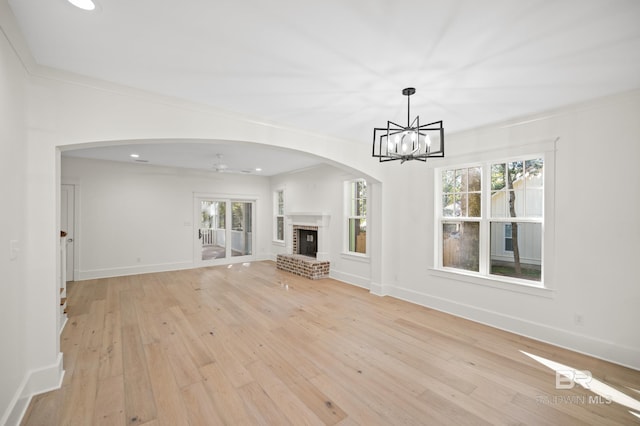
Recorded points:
(222, 157)
(338, 67)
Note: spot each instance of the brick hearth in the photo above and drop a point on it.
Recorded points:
(303, 265)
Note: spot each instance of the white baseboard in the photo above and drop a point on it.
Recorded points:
(35, 382)
(147, 269)
(350, 278)
(63, 322)
(602, 349)
(379, 289)
(132, 270)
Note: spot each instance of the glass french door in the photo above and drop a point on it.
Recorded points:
(241, 228)
(225, 229)
(212, 232)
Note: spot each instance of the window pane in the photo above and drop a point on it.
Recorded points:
(475, 180)
(498, 181)
(534, 169)
(358, 208)
(280, 202)
(499, 204)
(522, 257)
(447, 181)
(457, 205)
(237, 214)
(221, 218)
(515, 203)
(534, 203)
(361, 207)
(475, 205)
(463, 205)
(461, 180)
(514, 173)
(241, 225)
(448, 206)
(362, 189)
(460, 245)
(280, 228)
(357, 235)
(211, 233)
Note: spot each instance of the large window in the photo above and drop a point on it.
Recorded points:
(356, 192)
(491, 219)
(278, 214)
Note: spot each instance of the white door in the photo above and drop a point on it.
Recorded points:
(67, 223)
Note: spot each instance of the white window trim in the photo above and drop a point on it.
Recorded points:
(276, 215)
(346, 253)
(546, 287)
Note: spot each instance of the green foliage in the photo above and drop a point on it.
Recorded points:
(359, 198)
(461, 192)
(498, 180)
(505, 174)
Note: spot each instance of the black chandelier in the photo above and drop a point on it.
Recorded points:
(413, 142)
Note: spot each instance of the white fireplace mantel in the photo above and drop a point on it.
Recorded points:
(309, 218)
(319, 219)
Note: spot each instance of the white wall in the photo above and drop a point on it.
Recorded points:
(321, 189)
(13, 160)
(136, 218)
(591, 261)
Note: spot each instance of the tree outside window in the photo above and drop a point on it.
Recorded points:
(517, 192)
(503, 239)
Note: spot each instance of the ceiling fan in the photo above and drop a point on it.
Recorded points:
(221, 167)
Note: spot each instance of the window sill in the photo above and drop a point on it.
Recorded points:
(514, 285)
(358, 257)
(278, 243)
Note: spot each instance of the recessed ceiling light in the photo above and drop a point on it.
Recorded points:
(258, 169)
(134, 155)
(83, 4)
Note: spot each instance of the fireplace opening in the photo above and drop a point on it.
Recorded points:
(307, 242)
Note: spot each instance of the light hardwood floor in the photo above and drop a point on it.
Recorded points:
(249, 344)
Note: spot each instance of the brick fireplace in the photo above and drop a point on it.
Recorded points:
(306, 245)
(305, 240)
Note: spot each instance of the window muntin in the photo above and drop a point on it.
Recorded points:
(357, 216)
(461, 192)
(505, 238)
